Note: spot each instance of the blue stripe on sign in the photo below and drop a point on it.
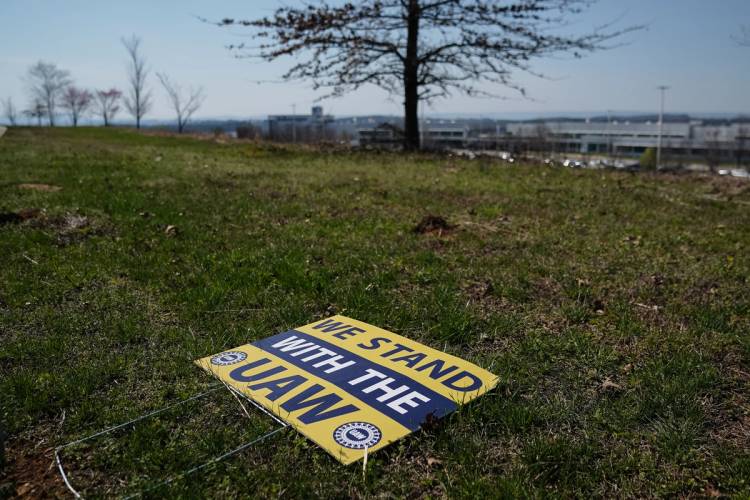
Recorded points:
(438, 405)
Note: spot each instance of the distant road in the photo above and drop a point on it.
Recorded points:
(2, 131)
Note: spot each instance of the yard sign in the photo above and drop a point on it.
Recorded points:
(349, 386)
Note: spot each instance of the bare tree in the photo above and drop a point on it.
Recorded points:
(9, 110)
(77, 102)
(184, 102)
(420, 49)
(37, 110)
(108, 104)
(47, 83)
(138, 100)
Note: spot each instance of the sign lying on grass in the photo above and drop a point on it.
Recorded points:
(347, 385)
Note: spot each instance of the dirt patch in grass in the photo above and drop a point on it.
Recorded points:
(482, 293)
(47, 188)
(20, 216)
(547, 289)
(432, 224)
(68, 228)
(30, 472)
(72, 228)
(479, 290)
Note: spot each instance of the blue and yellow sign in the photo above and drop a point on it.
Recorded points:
(349, 386)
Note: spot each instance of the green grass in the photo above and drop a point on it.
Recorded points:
(615, 309)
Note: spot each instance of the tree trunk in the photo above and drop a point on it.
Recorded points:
(50, 112)
(411, 79)
(137, 103)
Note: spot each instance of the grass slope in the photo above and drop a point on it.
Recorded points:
(615, 309)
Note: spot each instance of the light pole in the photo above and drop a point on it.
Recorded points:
(662, 91)
(609, 134)
(294, 123)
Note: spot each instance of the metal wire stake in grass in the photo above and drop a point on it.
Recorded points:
(183, 474)
(213, 461)
(58, 461)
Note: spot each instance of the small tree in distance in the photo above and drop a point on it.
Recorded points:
(77, 102)
(138, 100)
(419, 49)
(648, 159)
(37, 110)
(9, 110)
(184, 102)
(47, 83)
(108, 104)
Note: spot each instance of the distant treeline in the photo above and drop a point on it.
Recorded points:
(54, 97)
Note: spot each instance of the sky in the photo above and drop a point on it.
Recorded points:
(687, 45)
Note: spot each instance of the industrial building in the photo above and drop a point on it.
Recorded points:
(303, 128)
(443, 134)
(432, 133)
(689, 139)
(384, 135)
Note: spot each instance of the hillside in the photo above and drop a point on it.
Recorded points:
(614, 307)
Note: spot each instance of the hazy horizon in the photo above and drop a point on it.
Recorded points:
(512, 115)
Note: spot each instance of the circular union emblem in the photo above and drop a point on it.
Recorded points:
(357, 435)
(228, 358)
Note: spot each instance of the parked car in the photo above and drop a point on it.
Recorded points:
(573, 163)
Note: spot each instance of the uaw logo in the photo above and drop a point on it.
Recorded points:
(357, 435)
(228, 358)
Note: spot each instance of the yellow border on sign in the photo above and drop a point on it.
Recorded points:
(320, 432)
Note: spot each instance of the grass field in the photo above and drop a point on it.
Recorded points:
(615, 308)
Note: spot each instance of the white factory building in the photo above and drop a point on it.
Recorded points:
(689, 138)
